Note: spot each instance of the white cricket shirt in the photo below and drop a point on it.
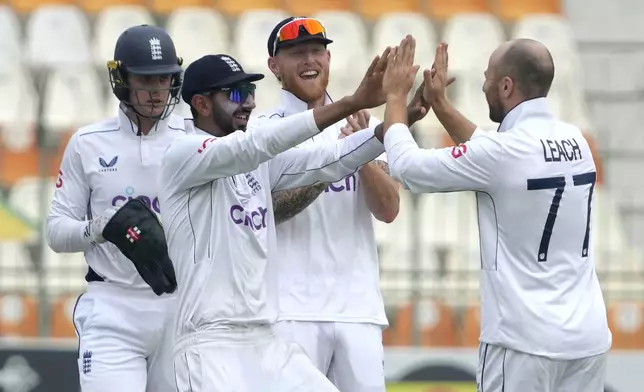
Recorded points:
(104, 165)
(327, 253)
(534, 180)
(218, 216)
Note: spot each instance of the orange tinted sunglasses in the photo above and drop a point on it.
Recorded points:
(291, 30)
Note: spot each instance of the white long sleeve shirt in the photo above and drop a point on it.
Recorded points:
(217, 213)
(328, 255)
(104, 165)
(534, 180)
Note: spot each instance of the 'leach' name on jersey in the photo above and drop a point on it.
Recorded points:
(561, 150)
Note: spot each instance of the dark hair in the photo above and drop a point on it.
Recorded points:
(530, 71)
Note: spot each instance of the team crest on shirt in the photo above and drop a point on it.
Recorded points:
(87, 362)
(253, 183)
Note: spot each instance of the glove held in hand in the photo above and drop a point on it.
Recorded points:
(136, 231)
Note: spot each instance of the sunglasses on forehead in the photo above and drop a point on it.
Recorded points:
(238, 94)
(291, 30)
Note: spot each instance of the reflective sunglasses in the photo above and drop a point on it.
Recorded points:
(238, 94)
(291, 30)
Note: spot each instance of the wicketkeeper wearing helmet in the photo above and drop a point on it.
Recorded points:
(106, 206)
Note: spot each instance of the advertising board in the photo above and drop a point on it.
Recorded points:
(46, 366)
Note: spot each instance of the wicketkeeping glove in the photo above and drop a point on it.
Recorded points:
(93, 232)
(136, 231)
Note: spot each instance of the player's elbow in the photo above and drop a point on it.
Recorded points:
(51, 229)
(56, 248)
(389, 214)
(54, 245)
(385, 203)
(397, 169)
(388, 219)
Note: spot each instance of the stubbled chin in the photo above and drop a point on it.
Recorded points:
(309, 90)
(240, 124)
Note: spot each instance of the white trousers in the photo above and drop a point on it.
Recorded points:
(504, 370)
(244, 359)
(124, 339)
(349, 354)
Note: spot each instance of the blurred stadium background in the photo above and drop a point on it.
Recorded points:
(53, 79)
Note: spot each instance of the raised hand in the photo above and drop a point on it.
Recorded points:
(401, 72)
(369, 93)
(436, 79)
(355, 122)
(418, 107)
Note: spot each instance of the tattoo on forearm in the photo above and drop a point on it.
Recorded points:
(288, 203)
(384, 166)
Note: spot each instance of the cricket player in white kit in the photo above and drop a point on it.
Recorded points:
(218, 216)
(543, 317)
(120, 321)
(330, 299)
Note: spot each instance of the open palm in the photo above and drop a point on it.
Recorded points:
(369, 93)
(436, 79)
(401, 72)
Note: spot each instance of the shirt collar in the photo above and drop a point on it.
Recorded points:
(293, 105)
(537, 107)
(126, 124)
(199, 131)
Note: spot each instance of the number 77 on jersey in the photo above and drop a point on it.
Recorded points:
(559, 185)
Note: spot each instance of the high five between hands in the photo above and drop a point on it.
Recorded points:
(391, 76)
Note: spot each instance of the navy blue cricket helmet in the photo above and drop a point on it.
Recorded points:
(145, 50)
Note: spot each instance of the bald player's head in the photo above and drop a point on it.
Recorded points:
(518, 70)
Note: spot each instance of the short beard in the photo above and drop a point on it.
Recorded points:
(223, 121)
(495, 110)
(307, 94)
(496, 115)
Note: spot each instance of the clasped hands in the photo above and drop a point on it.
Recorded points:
(392, 75)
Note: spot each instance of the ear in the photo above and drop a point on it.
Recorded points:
(199, 103)
(507, 87)
(273, 66)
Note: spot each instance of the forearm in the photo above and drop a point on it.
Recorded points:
(328, 115)
(438, 170)
(288, 203)
(195, 160)
(380, 190)
(395, 112)
(459, 128)
(324, 163)
(66, 235)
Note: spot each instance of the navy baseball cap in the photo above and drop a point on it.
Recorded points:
(303, 29)
(212, 72)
